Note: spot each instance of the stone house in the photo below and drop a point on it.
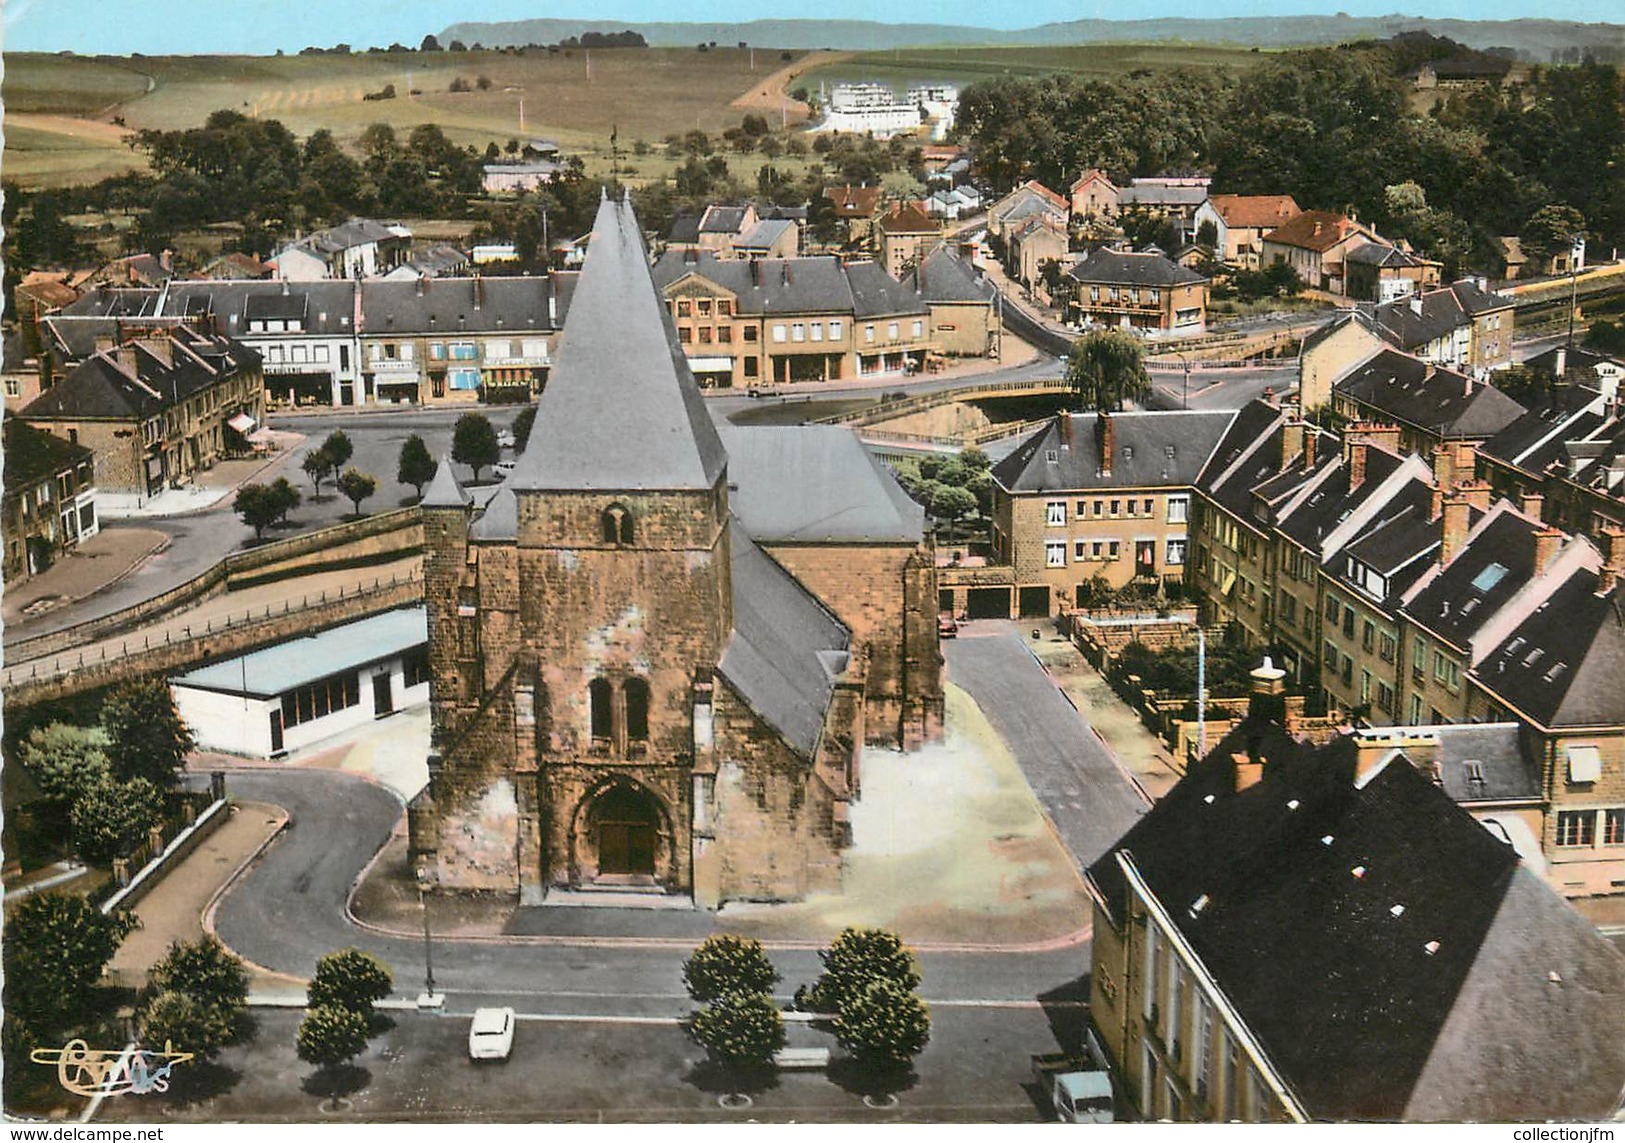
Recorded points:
(904, 233)
(963, 306)
(1098, 494)
(1314, 244)
(1463, 983)
(1240, 222)
(631, 690)
(49, 502)
(155, 409)
(1093, 196)
(1378, 272)
(1141, 291)
(359, 248)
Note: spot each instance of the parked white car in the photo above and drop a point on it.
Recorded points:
(490, 1036)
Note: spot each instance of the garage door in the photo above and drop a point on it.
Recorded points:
(1035, 602)
(989, 603)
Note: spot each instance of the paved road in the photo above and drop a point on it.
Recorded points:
(1217, 388)
(1086, 794)
(289, 910)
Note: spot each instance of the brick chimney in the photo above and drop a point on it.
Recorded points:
(1458, 517)
(1355, 454)
(1477, 492)
(1106, 439)
(1612, 543)
(1064, 426)
(1530, 503)
(1548, 541)
(1292, 438)
(1310, 436)
(1266, 691)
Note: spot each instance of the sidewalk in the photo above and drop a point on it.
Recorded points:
(1142, 752)
(82, 571)
(174, 909)
(207, 489)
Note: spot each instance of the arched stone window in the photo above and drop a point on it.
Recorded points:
(602, 697)
(616, 522)
(637, 710)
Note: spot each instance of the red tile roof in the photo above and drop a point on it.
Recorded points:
(1258, 211)
(907, 218)
(1318, 230)
(854, 202)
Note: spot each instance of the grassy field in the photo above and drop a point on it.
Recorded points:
(963, 66)
(61, 110)
(645, 94)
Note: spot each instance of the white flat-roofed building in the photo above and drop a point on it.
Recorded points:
(282, 698)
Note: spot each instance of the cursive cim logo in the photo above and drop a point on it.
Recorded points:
(132, 1071)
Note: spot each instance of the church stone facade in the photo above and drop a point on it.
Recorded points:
(656, 657)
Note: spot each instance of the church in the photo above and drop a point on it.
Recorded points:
(657, 649)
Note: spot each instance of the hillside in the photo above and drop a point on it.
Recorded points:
(1536, 39)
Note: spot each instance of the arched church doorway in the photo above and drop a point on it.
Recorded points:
(623, 830)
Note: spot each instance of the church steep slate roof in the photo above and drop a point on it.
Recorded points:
(621, 411)
(815, 484)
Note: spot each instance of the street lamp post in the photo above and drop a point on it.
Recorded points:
(431, 997)
(1574, 287)
(1185, 397)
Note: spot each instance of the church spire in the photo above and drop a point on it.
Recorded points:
(621, 411)
(444, 490)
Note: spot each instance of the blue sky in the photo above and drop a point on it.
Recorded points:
(118, 27)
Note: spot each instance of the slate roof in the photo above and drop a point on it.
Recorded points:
(1334, 500)
(346, 235)
(444, 490)
(326, 308)
(304, 659)
(786, 648)
(33, 455)
(1469, 589)
(1451, 405)
(764, 234)
(1247, 454)
(1536, 439)
(437, 261)
(1254, 211)
(685, 228)
(1340, 990)
(1563, 664)
(1383, 256)
(104, 387)
(815, 483)
(1159, 194)
(456, 305)
(1503, 769)
(1398, 545)
(942, 276)
(876, 293)
(1443, 311)
(621, 410)
(1153, 449)
(722, 219)
(1115, 268)
(1578, 360)
(113, 301)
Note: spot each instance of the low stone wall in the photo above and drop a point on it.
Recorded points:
(213, 816)
(358, 543)
(72, 672)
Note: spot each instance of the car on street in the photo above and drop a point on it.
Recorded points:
(505, 438)
(947, 627)
(490, 1035)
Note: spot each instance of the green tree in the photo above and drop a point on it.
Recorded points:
(286, 497)
(474, 442)
(178, 1019)
(258, 506)
(112, 819)
(951, 504)
(1106, 368)
(1550, 231)
(975, 459)
(339, 447)
(65, 761)
(727, 963)
(739, 1029)
(349, 978)
(857, 957)
(883, 1023)
(331, 1034)
(416, 466)
(318, 465)
(148, 738)
(206, 971)
(55, 949)
(522, 426)
(356, 486)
